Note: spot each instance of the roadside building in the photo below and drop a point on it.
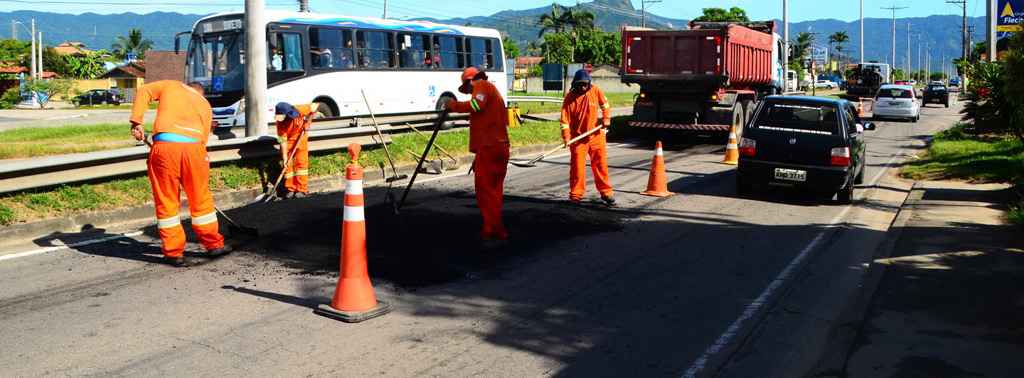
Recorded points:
(126, 78)
(74, 48)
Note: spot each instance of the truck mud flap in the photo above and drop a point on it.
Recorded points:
(677, 126)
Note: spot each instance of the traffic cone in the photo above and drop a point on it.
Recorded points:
(354, 300)
(657, 183)
(732, 149)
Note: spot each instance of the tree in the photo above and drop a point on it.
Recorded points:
(88, 66)
(133, 44)
(801, 46)
(13, 50)
(898, 74)
(598, 47)
(1014, 94)
(837, 39)
(511, 47)
(557, 48)
(46, 89)
(734, 14)
(554, 21)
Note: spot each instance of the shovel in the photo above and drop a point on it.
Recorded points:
(533, 163)
(271, 192)
(395, 176)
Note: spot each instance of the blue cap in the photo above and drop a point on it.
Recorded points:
(581, 76)
(287, 109)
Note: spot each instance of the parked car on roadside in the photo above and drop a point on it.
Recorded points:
(897, 101)
(826, 84)
(803, 142)
(97, 97)
(936, 93)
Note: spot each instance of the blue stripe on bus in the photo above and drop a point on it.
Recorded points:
(353, 23)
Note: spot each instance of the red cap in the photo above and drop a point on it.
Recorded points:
(469, 73)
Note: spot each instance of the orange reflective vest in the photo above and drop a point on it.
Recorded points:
(580, 112)
(290, 128)
(182, 110)
(488, 116)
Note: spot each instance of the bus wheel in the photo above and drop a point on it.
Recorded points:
(323, 110)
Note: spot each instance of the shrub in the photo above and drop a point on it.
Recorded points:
(10, 98)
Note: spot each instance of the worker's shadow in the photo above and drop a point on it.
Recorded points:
(99, 242)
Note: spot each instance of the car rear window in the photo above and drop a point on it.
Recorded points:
(894, 93)
(801, 118)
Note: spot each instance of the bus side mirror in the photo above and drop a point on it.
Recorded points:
(177, 41)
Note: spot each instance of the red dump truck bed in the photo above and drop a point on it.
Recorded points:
(709, 54)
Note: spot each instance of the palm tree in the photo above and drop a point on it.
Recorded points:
(801, 45)
(556, 21)
(838, 39)
(133, 44)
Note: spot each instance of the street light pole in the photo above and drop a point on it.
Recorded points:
(255, 69)
(32, 37)
(862, 31)
(990, 32)
(908, 50)
(39, 73)
(893, 9)
(785, 44)
(385, 10)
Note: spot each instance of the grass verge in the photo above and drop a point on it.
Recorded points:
(130, 191)
(955, 154)
(43, 141)
(616, 99)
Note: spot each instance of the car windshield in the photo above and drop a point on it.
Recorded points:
(894, 93)
(216, 61)
(799, 117)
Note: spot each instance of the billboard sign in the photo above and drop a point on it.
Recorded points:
(1010, 16)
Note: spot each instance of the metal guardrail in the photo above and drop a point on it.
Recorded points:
(325, 135)
(534, 99)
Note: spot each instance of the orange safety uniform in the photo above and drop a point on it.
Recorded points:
(296, 174)
(488, 139)
(174, 166)
(579, 115)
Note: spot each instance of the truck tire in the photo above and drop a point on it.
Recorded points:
(737, 119)
(748, 112)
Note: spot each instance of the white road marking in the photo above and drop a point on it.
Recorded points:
(72, 245)
(764, 299)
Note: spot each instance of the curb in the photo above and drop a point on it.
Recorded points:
(850, 324)
(23, 232)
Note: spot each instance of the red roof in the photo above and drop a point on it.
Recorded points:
(133, 69)
(528, 60)
(13, 69)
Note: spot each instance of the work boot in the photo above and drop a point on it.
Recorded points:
(299, 195)
(608, 201)
(575, 201)
(226, 249)
(177, 262)
(288, 195)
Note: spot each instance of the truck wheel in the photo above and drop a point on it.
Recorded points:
(737, 119)
(748, 113)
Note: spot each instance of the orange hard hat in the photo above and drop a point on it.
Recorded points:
(469, 73)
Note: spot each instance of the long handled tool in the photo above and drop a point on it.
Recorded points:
(441, 119)
(455, 161)
(533, 162)
(387, 152)
(271, 192)
(235, 227)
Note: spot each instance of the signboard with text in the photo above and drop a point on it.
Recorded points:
(1010, 16)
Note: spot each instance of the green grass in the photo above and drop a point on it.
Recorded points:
(957, 155)
(123, 106)
(617, 100)
(42, 141)
(132, 191)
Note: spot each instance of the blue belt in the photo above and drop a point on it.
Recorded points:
(173, 138)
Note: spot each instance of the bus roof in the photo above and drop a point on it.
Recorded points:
(364, 22)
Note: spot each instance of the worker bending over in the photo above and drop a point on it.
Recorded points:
(178, 161)
(580, 115)
(292, 133)
(488, 139)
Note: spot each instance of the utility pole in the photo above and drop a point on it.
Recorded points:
(919, 52)
(990, 29)
(14, 30)
(862, 31)
(32, 37)
(785, 44)
(908, 50)
(385, 10)
(963, 39)
(893, 9)
(39, 73)
(255, 70)
(643, 11)
(303, 5)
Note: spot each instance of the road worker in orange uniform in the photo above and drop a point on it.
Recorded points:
(488, 139)
(580, 114)
(291, 121)
(178, 161)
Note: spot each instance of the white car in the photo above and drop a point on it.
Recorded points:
(826, 84)
(897, 101)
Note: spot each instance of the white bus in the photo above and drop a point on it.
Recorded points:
(403, 66)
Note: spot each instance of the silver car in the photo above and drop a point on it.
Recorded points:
(897, 101)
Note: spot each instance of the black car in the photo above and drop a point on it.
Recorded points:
(98, 96)
(936, 93)
(802, 142)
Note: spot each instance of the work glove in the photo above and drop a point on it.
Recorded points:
(565, 137)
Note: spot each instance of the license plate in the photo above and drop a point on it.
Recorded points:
(894, 103)
(790, 174)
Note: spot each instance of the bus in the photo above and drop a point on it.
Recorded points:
(402, 66)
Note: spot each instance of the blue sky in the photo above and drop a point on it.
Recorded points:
(800, 10)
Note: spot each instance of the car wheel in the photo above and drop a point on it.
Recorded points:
(845, 195)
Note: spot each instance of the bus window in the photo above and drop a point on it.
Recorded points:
(478, 53)
(450, 49)
(286, 52)
(330, 48)
(375, 49)
(494, 53)
(414, 51)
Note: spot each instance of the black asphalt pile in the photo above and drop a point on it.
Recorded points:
(434, 240)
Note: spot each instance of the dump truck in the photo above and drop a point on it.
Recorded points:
(706, 79)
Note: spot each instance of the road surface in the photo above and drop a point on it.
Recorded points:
(685, 285)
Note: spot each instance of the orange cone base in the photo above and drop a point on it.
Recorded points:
(353, 316)
(657, 194)
(730, 162)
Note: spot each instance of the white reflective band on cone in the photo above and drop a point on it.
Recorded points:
(659, 152)
(204, 219)
(354, 214)
(168, 222)
(354, 187)
(732, 146)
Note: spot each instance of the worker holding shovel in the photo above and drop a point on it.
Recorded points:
(580, 117)
(292, 124)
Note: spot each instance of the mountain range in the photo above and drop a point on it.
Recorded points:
(940, 34)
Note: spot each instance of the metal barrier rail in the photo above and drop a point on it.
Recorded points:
(534, 99)
(25, 174)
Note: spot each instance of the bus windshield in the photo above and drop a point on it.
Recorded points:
(216, 61)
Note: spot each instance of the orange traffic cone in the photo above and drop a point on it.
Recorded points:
(657, 183)
(354, 300)
(732, 149)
